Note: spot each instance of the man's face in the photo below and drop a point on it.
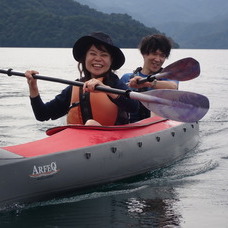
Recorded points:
(154, 61)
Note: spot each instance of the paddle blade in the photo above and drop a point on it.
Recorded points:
(177, 105)
(181, 70)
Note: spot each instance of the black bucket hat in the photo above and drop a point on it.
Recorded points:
(98, 37)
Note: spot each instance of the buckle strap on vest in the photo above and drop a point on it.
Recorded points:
(74, 105)
(85, 105)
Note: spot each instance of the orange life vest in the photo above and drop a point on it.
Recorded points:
(102, 108)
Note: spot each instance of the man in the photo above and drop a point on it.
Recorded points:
(155, 49)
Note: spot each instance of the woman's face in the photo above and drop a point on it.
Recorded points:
(97, 62)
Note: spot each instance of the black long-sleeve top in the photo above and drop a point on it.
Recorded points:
(59, 106)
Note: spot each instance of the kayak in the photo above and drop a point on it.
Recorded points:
(75, 157)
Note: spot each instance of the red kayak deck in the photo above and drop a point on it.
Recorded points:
(71, 137)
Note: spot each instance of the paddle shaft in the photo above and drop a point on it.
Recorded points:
(151, 78)
(133, 95)
(171, 104)
(130, 94)
(67, 82)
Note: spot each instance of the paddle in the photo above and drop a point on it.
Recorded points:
(181, 70)
(171, 104)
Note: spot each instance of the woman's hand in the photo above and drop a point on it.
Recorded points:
(32, 82)
(90, 86)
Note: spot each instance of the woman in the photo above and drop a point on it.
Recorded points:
(97, 59)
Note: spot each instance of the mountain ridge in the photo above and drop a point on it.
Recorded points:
(183, 20)
(51, 23)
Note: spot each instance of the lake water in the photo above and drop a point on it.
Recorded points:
(191, 193)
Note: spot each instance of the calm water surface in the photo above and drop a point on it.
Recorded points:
(191, 193)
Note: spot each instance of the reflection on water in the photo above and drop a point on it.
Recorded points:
(154, 209)
(133, 207)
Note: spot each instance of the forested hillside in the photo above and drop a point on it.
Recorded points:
(58, 23)
(192, 24)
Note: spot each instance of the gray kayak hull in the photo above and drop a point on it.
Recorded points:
(29, 179)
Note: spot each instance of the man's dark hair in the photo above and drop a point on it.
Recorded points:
(152, 43)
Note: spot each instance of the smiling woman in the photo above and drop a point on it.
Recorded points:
(97, 59)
